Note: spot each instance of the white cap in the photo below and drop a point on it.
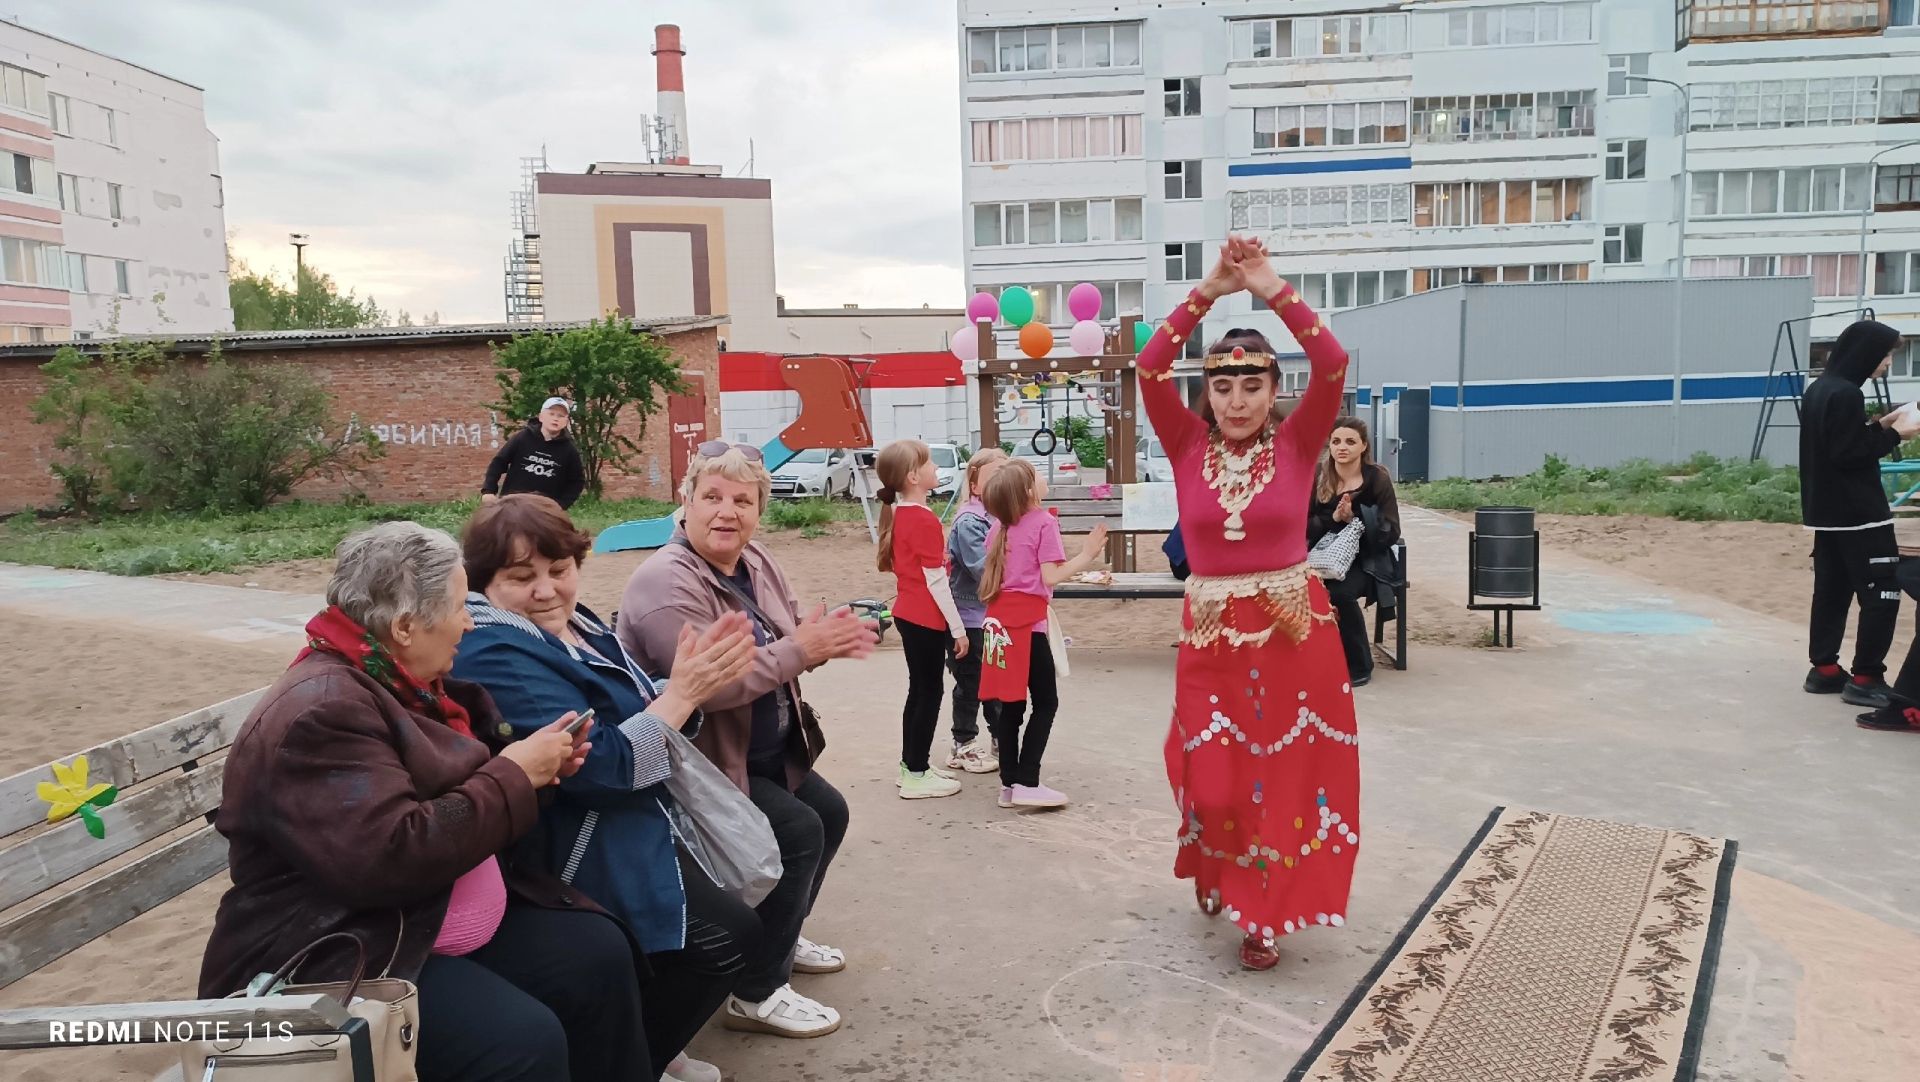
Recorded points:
(556, 400)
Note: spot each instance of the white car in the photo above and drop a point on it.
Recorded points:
(813, 473)
(946, 460)
(1150, 461)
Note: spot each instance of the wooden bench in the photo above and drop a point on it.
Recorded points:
(1080, 510)
(168, 780)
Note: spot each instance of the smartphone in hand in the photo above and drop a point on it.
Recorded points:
(573, 727)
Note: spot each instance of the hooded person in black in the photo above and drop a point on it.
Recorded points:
(1842, 501)
(539, 458)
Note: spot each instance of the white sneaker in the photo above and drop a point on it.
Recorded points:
(785, 1013)
(928, 786)
(974, 757)
(685, 1068)
(815, 958)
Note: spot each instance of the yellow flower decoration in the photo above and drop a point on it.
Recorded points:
(73, 794)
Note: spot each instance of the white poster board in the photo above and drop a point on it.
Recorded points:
(1150, 506)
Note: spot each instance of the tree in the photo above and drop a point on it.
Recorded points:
(261, 303)
(603, 368)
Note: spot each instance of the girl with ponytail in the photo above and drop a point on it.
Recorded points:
(914, 548)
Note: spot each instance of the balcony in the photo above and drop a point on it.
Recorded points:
(1723, 20)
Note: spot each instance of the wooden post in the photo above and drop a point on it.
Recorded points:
(989, 402)
(1123, 428)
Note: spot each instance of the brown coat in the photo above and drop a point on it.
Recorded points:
(344, 811)
(675, 587)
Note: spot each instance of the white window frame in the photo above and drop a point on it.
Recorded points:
(1711, 192)
(60, 114)
(1317, 37)
(1623, 246)
(1180, 97)
(1902, 13)
(1766, 104)
(1327, 118)
(76, 272)
(1489, 27)
(123, 278)
(113, 126)
(67, 187)
(115, 201)
(1467, 196)
(1320, 207)
(1089, 212)
(1620, 158)
(1183, 261)
(1338, 291)
(1119, 39)
(23, 89)
(1901, 268)
(1442, 277)
(1478, 118)
(38, 262)
(1182, 180)
(1125, 135)
(1621, 65)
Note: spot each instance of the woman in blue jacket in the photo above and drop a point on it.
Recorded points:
(609, 833)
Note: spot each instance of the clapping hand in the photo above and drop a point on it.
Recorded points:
(1343, 512)
(1256, 270)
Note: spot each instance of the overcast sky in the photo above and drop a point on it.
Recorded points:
(391, 130)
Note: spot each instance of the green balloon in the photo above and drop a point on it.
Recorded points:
(1142, 333)
(1016, 306)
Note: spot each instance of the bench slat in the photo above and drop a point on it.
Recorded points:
(50, 859)
(62, 924)
(133, 758)
(1127, 585)
(31, 1027)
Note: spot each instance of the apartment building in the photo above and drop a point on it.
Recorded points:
(110, 198)
(1385, 149)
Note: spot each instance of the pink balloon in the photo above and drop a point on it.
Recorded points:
(1084, 301)
(1087, 339)
(966, 343)
(983, 306)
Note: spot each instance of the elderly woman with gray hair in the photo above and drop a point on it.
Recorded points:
(364, 795)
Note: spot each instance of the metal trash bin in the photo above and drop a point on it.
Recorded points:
(1505, 563)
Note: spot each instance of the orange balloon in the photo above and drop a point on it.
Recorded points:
(1036, 340)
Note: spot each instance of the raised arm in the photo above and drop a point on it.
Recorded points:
(1180, 430)
(1307, 429)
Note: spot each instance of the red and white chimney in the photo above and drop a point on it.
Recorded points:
(671, 91)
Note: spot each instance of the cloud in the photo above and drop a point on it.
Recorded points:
(392, 132)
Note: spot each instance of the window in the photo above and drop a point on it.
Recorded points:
(1365, 123)
(1622, 244)
(1786, 103)
(1619, 68)
(1183, 180)
(1050, 299)
(1774, 18)
(1053, 48)
(1822, 189)
(1183, 97)
(113, 202)
(76, 272)
(1898, 188)
(122, 278)
(1427, 278)
(27, 176)
(1337, 290)
(1896, 273)
(1332, 35)
(1332, 207)
(1536, 24)
(1047, 138)
(1833, 275)
(1900, 99)
(1906, 356)
(1069, 221)
(69, 187)
(112, 126)
(1461, 204)
(1183, 262)
(32, 263)
(61, 108)
(1626, 159)
(1492, 117)
(23, 90)
(1903, 13)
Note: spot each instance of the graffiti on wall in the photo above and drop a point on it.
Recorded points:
(442, 433)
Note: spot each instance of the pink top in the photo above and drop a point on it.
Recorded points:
(1033, 541)
(473, 914)
(1276, 520)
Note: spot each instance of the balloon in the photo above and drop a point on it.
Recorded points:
(1084, 301)
(1016, 306)
(983, 306)
(966, 343)
(1087, 339)
(1142, 332)
(1036, 339)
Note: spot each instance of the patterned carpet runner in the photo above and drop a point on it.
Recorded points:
(1557, 949)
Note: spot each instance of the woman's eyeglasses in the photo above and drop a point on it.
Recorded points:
(716, 448)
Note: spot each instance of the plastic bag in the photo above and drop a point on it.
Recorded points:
(729, 838)
(1333, 555)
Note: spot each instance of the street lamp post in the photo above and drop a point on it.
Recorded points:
(299, 270)
(1860, 300)
(1683, 197)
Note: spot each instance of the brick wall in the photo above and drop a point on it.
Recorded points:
(425, 400)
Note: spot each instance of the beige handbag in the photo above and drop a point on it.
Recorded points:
(385, 1010)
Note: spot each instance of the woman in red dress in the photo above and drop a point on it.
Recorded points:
(1263, 752)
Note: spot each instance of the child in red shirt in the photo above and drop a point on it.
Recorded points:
(914, 548)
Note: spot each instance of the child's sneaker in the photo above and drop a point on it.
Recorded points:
(974, 757)
(926, 785)
(1006, 796)
(1038, 796)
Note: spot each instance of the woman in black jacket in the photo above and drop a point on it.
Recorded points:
(1350, 487)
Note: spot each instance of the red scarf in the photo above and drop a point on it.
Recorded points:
(334, 632)
(1006, 652)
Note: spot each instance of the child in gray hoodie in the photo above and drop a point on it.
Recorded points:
(967, 550)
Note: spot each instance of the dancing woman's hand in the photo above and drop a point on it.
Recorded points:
(1256, 273)
(1224, 279)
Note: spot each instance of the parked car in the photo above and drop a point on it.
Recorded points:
(1059, 468)
(813, 473)
(1150, 461)
(946, 460)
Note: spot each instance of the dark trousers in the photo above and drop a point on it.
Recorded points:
(688, 985)
(1850, 564)
(1351, 618)
(927, 651)
(1020, 756)
(554, 997)
(809, 823)
(1907, 684)
(966, 692)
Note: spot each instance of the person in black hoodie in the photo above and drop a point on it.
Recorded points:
(1842, 501)
(539, 458)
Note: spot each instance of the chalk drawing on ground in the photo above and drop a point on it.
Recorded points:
(1151, 1024)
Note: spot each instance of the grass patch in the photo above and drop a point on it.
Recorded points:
(1704, 489)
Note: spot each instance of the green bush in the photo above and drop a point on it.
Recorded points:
(1701, 490)
(798, 515)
